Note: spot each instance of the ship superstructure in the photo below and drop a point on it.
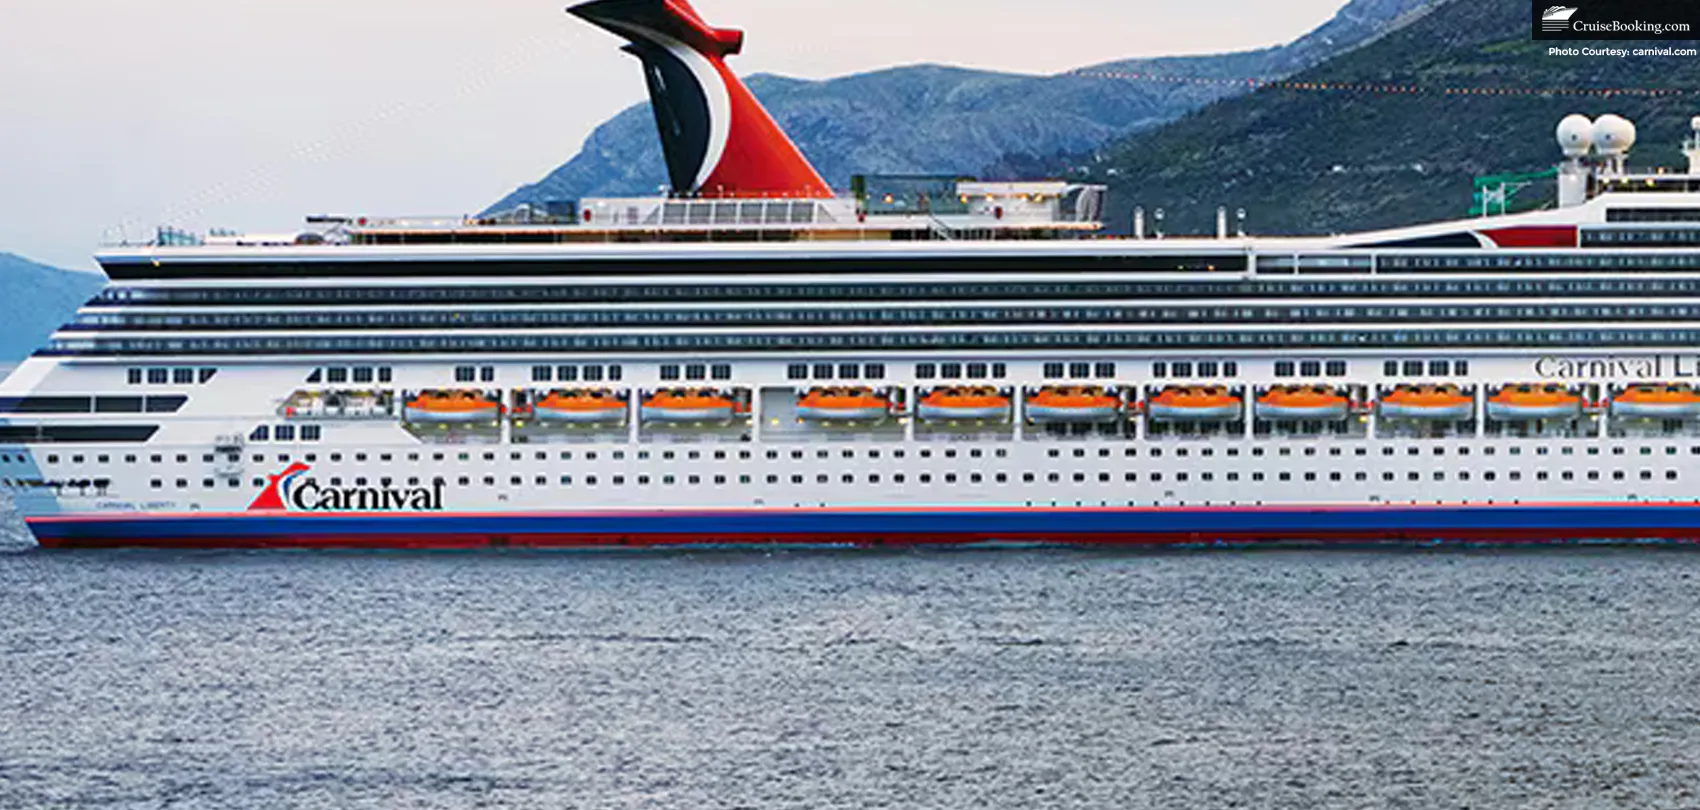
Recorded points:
(750, 360)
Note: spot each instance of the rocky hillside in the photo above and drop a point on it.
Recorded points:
(930, 118)
(1323, 161)
(34, 301)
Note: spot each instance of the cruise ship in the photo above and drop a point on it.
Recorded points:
(753, 359)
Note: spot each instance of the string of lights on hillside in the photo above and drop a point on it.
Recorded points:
(1385, 89)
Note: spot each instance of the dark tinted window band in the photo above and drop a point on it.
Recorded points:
(882, 341)
(122, 404)
(984, 291)
(379, 268)
(521, 319)
(76, 434)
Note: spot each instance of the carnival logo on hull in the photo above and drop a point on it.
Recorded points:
(289, 492)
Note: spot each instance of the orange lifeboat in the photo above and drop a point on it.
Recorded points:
(946, 404)
(581, 407)
(1657, 401)
(843, 404)
(1433, 402)
(1202, 403)
(452, 407)
(1302, 403)
(1526, 402)
(1073, 403)
(682, 405)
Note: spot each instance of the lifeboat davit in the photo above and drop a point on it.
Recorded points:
(1522, 403)
(1303, 403)
(582, 408)
(454, 407)
(946, 404)
(1089, 404)
(1436, 402)
(1658, 401)
(689, 406)
(843, 405)
(1206, 403)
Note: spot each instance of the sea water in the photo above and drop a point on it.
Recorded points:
(1290, 679)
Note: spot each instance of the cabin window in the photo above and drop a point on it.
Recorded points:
(823, 371)
(848, 371)
(1181, 369)
(670, 372)
(1053, 370)
(1310, 368)
(1284, 368)
(1461, 367)
(797, 371)
(365, 374)
(721, 371)
(542, 374)
(462, 374)
(950, 371)
(978, 371)
(1336, 368)
(386, 374)
(340, 375)
(1079, 371)
(1390, 368)
(1413, 368)
(487, 374)
(1438, 368)
(696, 371)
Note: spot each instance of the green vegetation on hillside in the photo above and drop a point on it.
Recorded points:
(1328, 161)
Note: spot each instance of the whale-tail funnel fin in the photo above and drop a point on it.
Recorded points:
(718, 139)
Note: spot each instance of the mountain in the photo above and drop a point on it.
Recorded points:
(1327, 161)
(947, 120)
(35, 300)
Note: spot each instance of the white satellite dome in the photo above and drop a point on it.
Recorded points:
(1613, 135)
(1695, 123)
(1575, 135)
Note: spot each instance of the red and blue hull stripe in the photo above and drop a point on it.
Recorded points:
(1086, 526)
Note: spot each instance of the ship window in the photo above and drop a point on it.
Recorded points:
(386, 374)
(1000, 370)
(1181, 369)
(158, 376)
(365, 374)
(950, 371)
(874, 371)
(285, 433)
(340, 375)
(1670, 475)
(182, 483)
(487, 374)
(696, 371)
(1413, 368)
(310, 433)
(1079, 371)
(1617, 475)
(823, 371)
(1231, 369)
(1310, 368)
(669, 372)
(797, 371)
(566, 373)
(978, 371)
(1103, 370)
(182, 376)
(318, 375)
(849, 371)
(616, 373)
(260, 434)
(1438, 368)
(1646, 475)
(462, 374)
(542, 374)
(134, 376)
(1159, 369)
(1461, 367)
(721, 371)
(1205, 369)
(1053, 370)
(1390, 368)
(1336, 368)
(1284, 368)
(925, 371)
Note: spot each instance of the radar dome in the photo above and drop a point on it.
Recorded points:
(1613, 135)
(1575, 135)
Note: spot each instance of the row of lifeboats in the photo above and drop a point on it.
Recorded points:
(1069, 404)
(587, 407)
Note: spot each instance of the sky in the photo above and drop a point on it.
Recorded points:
(117, 116)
